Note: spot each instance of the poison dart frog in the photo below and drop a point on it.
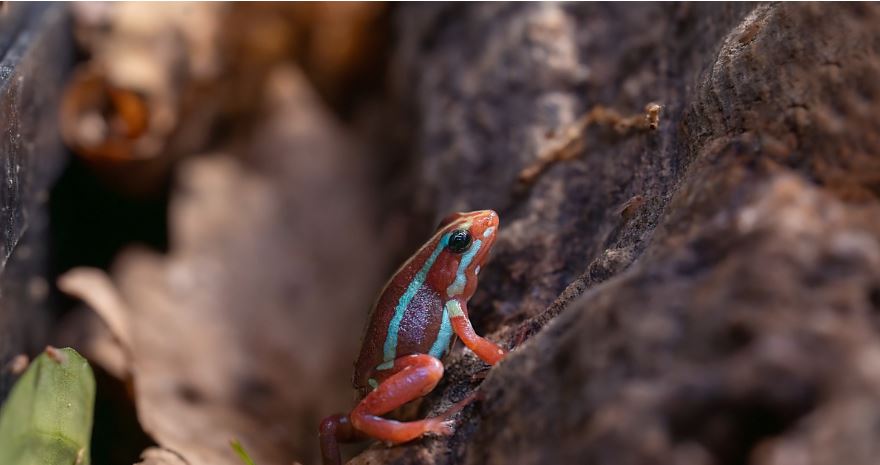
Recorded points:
(410, 329)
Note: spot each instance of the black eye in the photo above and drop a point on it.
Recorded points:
(459, 240)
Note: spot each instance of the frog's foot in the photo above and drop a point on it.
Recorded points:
(441, 427)
(444, 425)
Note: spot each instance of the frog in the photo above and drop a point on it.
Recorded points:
(410, 329)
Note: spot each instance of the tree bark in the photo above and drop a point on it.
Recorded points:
(35, 54)
(705, 293)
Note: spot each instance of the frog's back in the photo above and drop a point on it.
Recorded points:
(407, 319)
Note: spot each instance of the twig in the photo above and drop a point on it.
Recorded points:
(570, 141)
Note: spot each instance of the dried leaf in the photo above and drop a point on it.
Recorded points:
(159, 456)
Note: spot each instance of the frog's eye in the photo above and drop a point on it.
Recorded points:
(459, 240)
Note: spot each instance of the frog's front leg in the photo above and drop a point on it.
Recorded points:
(487, 350)
(408, 378)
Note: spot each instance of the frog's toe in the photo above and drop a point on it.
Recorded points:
(441, 427)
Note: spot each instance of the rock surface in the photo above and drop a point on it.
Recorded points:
(729, 316)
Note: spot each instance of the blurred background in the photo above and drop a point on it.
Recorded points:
(233, 197)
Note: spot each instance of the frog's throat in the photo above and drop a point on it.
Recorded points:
(457, 286)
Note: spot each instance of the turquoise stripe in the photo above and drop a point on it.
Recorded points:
(443, 336)
(390, 349)
(457, 286)
(385, 365)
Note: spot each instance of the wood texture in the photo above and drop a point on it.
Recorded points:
(730, 314)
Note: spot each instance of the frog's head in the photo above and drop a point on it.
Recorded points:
(465, 240)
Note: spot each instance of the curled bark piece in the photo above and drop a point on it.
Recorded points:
(102, 121)
(139, 102)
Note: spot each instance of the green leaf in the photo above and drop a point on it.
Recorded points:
(236, 446)
(47, 419)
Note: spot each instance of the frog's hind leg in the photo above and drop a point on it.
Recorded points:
(412, 376)
(409, 377)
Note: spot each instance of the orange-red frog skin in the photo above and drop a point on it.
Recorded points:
(411, 328)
